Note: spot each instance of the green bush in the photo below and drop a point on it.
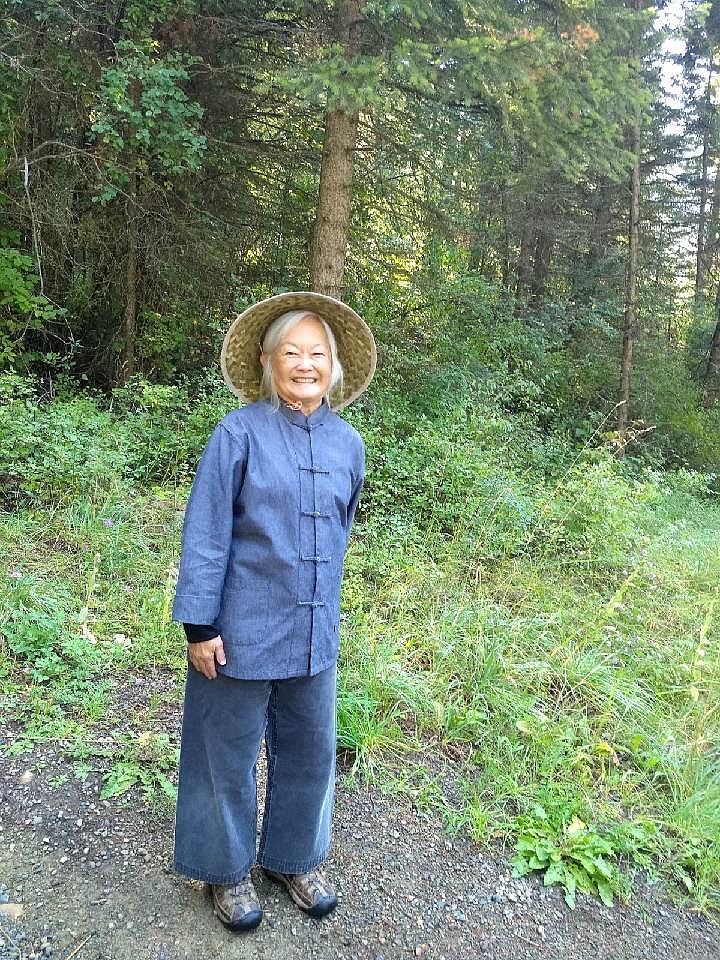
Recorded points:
(166, 427)
(56, 451)
(76, 446)
(21, 307)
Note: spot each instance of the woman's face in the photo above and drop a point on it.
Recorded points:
(301, 364)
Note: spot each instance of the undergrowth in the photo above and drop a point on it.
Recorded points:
(536, 615)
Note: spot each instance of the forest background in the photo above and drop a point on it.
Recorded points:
(523, 200)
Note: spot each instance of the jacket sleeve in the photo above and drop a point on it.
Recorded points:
(357, 488)
(208, 526)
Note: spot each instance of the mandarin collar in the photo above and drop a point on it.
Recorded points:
(308, 422)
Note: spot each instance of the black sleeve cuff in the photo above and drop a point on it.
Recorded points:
(197, 632)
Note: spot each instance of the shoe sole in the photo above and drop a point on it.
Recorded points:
(317, 912)
(243, 926)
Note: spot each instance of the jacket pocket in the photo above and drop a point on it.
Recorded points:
(244, 610)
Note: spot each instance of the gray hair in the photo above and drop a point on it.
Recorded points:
(271, 341)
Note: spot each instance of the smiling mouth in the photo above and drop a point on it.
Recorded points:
(304, 379)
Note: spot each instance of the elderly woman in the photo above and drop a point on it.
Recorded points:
(263, 545)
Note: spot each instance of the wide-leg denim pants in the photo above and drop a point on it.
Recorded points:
(224, 722)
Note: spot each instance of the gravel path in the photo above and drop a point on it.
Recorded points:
(95, 882)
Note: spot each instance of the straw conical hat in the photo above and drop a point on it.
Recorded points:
(240, 355)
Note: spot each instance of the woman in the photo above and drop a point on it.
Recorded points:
(264, 539)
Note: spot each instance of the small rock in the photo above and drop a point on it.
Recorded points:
(11, 910)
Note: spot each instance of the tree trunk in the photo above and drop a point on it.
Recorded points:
(712, 373)
(541, 267)
(631, 285)
(525, 254)
(587, 277)
(505, 242)
(712, 233)
(332, 220)
(602, 209)
(478, 246)
(700, 257)
(128, 356)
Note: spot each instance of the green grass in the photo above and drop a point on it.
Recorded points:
(548, 636)
(585, 691)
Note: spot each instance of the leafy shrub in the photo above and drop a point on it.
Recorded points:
(573, 854)
(21, 307)
(72, 447)
(166, 426)
(37, 628)
(58, 451)
(597, 511)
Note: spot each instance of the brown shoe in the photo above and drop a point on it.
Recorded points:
(236, 904)
(310, 891)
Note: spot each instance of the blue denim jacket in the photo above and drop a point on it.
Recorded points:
(265, 535)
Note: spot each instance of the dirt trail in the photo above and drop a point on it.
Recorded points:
(95, 877)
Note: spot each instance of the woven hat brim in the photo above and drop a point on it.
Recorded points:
(240, 354)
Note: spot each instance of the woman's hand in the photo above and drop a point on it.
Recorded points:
(203, 656)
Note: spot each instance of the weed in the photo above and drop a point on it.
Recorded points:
(144, 759)
(574, 855)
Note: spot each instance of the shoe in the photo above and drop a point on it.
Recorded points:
(310, 891)
(236, 904)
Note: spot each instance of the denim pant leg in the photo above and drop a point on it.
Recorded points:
(300, 740)
(216, 815)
